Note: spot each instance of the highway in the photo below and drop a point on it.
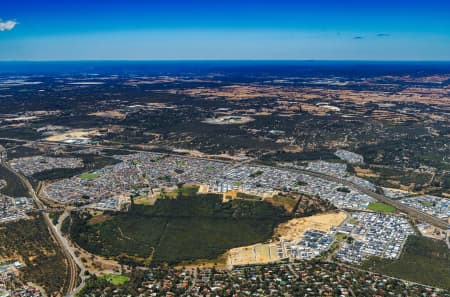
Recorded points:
(72, 260)
(414, 213)
(82, 269)
(74, 264)
(98, 146)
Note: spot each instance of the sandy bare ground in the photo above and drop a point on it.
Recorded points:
(79, 134)
(365, 172)
(21, 118)
(203, 189)
(97, 264)
(432, 232)
(113, 114)
(293, 229)
(253, 254)
(144, 200)
(198, 154)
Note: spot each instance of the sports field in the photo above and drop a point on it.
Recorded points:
(116, 279)
(89, 175)
(381, 207)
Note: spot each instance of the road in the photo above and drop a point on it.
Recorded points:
(70, 248)
(414, 213)
(99, 146)
(72, 260)
(192, 286)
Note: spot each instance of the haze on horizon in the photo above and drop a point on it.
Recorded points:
(225, 30)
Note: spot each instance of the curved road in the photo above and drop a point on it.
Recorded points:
(82, 269)
(406, 209)
(73, 260)
(73, 264)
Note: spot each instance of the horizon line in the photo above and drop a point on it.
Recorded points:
(222, 60)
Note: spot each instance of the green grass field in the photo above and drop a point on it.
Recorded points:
(340, 237)
(425, 203)
(116, 279)
(380, 207)
(89, 175)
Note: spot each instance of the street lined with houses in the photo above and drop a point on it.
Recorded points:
(109, 188)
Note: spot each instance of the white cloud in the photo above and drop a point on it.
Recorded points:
(7, 25)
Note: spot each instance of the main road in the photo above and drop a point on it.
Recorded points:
(414, 213)
(74, 264)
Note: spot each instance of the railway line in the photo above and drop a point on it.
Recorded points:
(414, 213)
(73, 267)
(418, 215)
(76, 268)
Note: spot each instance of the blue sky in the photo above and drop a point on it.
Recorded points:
(185, 30)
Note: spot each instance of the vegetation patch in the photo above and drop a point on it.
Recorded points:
(288, 202)
(56, 173)
(22, 151)
(144, 200)
(91, 162)
(181, 192)
(30, 242)
(426, 203)
(341, 237)
(188, 191)
(102, 286)
(89, 175)
(54, 216)
(424, 260)
(256, 173)
(394, 178)
(116, 279)
(381, 207)
(99, 218)
(14, 186)
(175, 230)
(343, 190)
(242, 195)
(282, 156)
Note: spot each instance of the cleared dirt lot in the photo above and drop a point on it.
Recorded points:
(78, 134)
(113, 114)
(293, 229)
